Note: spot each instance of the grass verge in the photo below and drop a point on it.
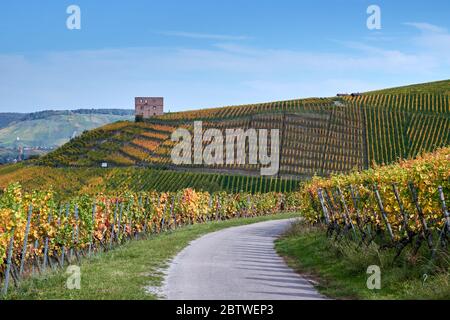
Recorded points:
(340, 268)
(125, 272)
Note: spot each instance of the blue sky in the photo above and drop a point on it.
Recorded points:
(202, 53)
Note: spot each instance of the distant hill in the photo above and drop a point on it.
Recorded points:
(46, 130)
(6, 118)
(49, 113)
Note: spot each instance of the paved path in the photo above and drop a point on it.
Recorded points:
(236, 263)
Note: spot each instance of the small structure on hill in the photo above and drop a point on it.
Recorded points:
(355, 94)
(147, 107)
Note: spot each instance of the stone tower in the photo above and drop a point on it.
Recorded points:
(147, 107)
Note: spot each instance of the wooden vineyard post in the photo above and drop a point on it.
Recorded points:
(140, 206)
(77, 230)
(113, 234)
(171, 212)
(63, 249)
(119, 222)
(155, 224)
(177, 200)
(69, 254)
(36, 257)
(125, 223)
(383, 212)
(58, 223)
(253, 210)
(163, 220)
(402, 208)
(356, 206)
(25, 240)
(444, 207)
(217, 209)
(337, 202)
(313, 202)
(93, 229)
(46, 240)
(328, 200)
(145, 215)
(130, 219)
(8, 263)
(359, 222)
(208, 218)
(74, 229)
(334, 214)
(130, 224)
(426, 231)
(237, 213)
(446, 228)
(136, 222)
(346, 212)
(219, 216)
(324, 207)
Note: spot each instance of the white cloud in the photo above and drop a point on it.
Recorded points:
(433, 41)
(426, 27)
(222, 74)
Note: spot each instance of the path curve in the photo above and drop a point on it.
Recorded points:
(236, 263)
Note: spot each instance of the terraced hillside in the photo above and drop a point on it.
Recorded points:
(317, 136)
(401, 126)
(315, 133)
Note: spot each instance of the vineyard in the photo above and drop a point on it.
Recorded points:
(403, 126)
(38, 233)
(374, 169)
(234, 112)
(317, 136)
(167, 180)
(394, 206)
(397, 206)
(73, 181)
